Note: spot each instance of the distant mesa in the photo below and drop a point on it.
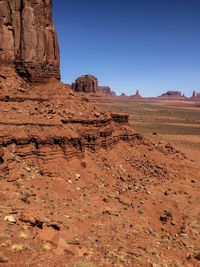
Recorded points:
(106, 90)
(195, 95)
(123, 95)
(172, 94)
(28, 39)
(86, 84)
(89, 84)
(136, 95)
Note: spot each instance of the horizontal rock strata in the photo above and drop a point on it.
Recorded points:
(47, 121)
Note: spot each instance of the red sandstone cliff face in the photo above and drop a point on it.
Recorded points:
(28, 39)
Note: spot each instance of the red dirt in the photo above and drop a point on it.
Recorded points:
(78, 184)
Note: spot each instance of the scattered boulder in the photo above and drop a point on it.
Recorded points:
(11, 219)
(32, 219)
(77, 176)
(47, 234)
(166, 216)
(197, 256)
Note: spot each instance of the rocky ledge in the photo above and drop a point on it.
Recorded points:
(42, 122)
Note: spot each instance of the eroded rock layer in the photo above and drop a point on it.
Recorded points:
(49, 120)
(45, 120)
(28, 39)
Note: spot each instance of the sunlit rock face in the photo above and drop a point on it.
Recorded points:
(86, 84)
(89, 84)
(28, 39)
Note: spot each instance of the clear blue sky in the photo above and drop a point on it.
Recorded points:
(150, 45)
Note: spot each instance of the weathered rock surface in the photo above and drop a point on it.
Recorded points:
(86, 84)
(28, 39)
(89, 84)
(65, 124)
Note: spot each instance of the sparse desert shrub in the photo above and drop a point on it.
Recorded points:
(23, 235)
(46, 247)
(20, 247)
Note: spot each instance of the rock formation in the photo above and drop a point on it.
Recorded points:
(86, 84)
(137, 94)
(89, 84)
(28, 39)
(195, 95)
(106, 90)
(172, 94)
(123, 95)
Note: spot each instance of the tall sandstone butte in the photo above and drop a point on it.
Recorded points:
(28, 39)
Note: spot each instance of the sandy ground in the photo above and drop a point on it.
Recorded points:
(132, 203)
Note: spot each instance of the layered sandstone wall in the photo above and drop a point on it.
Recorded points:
(28, 39)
